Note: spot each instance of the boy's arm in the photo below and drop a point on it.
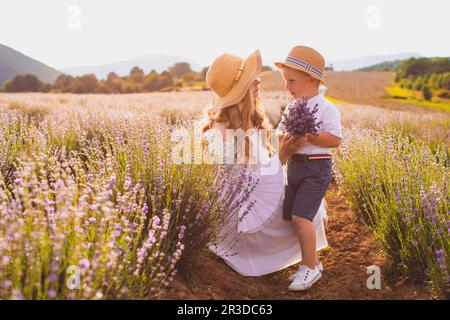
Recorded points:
(331, 135)
(325, 140)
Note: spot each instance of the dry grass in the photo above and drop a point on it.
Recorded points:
(356, 87)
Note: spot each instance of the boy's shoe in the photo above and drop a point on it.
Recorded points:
(305, 278)
(319, 266)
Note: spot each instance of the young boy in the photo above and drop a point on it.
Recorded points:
(309, 169)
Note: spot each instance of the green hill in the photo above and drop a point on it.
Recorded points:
(13, 63)
(384, 66)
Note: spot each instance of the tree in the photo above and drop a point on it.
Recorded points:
(151, 81)
(77, 86)
(64, 83)
(444, 81)
(204, 72)
(103, 87)
(24, 83)
(88, 82)
(418, 84)
(137, 75)
(165, 80)
(426, 92)
(432, 81)
(130, 87)
(414, 67)
(179, 69)
(189, 76)
(111, 76)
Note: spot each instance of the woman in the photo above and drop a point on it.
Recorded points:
(264, 242)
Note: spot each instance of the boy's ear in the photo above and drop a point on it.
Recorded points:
(314, 81)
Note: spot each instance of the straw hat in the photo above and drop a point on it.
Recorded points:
(230, 77)
(305, 59)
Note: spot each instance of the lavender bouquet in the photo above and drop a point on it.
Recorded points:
(299, 119)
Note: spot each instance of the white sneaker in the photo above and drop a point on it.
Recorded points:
(305, 278)
(319, 266)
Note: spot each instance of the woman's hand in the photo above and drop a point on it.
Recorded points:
(289, 145)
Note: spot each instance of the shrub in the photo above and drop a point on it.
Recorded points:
(400, 189)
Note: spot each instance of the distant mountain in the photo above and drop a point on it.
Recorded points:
(363, 62)
(158, 62)
(383, 66)
(13, 62)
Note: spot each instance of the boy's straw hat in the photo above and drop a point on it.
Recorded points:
(305, 59)
(230, 78)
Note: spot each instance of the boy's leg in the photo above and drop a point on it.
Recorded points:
(315, 182)
(293, 181)
(307, 238)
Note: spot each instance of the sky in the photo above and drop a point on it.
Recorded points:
(64, 33)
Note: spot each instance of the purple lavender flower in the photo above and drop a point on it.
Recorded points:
(84, 264)
(299, 119)
(440, 258)
(5, 260)
(52, 277)
(51, 294)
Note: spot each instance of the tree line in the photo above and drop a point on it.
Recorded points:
(177, 76)
(431, 76)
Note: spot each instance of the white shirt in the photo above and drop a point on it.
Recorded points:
(331, 123)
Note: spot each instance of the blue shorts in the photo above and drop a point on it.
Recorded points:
(307, 184)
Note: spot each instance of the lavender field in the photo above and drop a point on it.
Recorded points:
(92, 207)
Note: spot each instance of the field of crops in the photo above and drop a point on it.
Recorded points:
(91, 206)
(367, 88)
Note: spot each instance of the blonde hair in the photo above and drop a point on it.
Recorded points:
(251, 117)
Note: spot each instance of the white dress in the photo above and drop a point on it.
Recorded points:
(263, 241)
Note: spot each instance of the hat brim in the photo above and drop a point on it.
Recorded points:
(252, 69)
(287, 64)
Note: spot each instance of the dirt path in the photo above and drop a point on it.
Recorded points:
(352, 249)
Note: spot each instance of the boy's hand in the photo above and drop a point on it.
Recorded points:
(298, 142)
(281, 138)
(289, 145)
(292, 142)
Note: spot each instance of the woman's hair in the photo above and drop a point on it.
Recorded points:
(251, 117)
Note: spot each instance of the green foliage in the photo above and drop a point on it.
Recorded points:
(399, 186)
(102, 196)
(203, 73)
(430, 76)
(190, 77)
(179, 69)
(415, 67)
(426, 93)
(24, 83)
(444, 94)
(383, 66)
(137, 81)
(137, 75)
